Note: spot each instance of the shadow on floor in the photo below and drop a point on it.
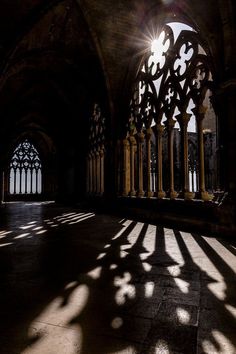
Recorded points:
(76, 282)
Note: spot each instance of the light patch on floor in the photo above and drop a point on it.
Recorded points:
(122, 230)
(149, 289)
(224, 346)
(222, 252)
(182, 285)
(183, 315)
(22, 235)
(126, 290)
(231, 309)
(95, 273)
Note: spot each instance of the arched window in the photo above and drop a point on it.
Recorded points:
(95, 158)
(25, 170)
(172, 125)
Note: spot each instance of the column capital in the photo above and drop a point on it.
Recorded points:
(141, 136)
(159, 128)
(149, 133)
(132, 140)
(183, 118)
(125, 142)
(200, 112)
(170, 123)
(101, 152)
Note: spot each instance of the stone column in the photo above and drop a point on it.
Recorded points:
(148, 148)
(203, 194)
(132, 151)
(98, 172)
(159, 129)
(102, 170)
(20, 189)
(183, 120)
(140, 139)
(93, 173)
(37, 181)
(170, 123)
(2, 187)
(125, 191)
(9, 182)
(90, 174)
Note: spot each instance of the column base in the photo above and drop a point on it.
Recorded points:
(133, 193)
(172, 194)
(205, 196)
(160, 194)
(149, 194)
(140, 194)
(189, 195)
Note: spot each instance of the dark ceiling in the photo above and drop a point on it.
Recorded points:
(59, 56)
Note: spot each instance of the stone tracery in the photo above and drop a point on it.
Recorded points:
(169, 95)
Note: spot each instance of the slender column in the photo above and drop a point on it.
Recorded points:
(170, 123)
(3, 187)
(90, 173)
(87, 177)
(159, 128)
(183, 120)
(132, 150)
(148, 148)
(98, 172)
(140, 138)
(20, 191)
(102, 170)
(36, 181)
(31, 180)
(125, 167)
(14, 181)
(197, 178)
(93, 173)
(192, 175)
(204, 195)
(26, 186)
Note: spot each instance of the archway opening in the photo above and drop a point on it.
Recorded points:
(25, 171)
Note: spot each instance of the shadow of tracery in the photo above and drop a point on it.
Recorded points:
(117, 285)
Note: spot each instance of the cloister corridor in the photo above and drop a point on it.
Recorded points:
(73, 281)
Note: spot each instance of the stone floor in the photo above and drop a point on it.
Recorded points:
(76, 282)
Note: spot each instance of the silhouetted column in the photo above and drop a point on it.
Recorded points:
(98, 172)
(88, 176)
(26, 186)
(37, 181)
(102, 170)
(132, 168)
(31, 180)
(140, 139)
(125, 167)
(170, 123)
(159, 129)
(148, 148)
(3, 187)
(93, 173)
(20, 191)
(203, 194)
(183, 120)
(14, 181)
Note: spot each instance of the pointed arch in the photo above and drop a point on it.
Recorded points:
(25, 170)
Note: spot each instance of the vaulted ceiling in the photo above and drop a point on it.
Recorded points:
(59, 56)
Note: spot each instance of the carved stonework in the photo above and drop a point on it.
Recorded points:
(171, 89)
